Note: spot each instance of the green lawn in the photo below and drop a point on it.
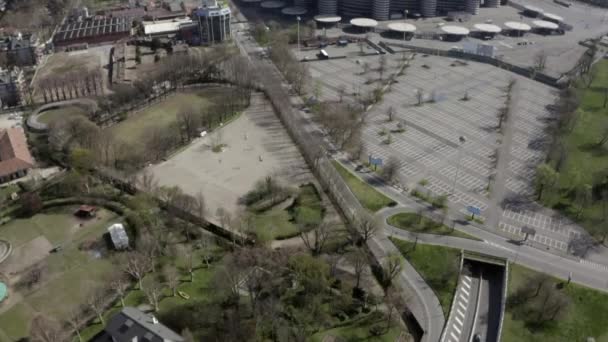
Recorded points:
(437, 265)
(413, 223)
(137, 127)
(586, 316)
(358, 330)
(69, 271)
(369, 197)
(283, 223)
(584, 156)
(198, 290)
(63, 113)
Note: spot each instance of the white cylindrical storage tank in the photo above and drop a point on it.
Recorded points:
(380, 9)
(471, 6)
(428, 8)
(328, 7)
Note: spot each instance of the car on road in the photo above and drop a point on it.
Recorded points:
(476, 338)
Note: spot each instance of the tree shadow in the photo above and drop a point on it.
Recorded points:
(595, 149)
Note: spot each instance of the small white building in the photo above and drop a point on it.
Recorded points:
(119, 236)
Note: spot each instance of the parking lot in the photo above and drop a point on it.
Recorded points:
(562, 51)
(430, 151)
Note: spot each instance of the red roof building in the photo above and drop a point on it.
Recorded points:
(15, 157)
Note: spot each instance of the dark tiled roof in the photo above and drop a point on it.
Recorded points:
(130, 323)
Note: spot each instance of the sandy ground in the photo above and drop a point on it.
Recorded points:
(26, 255)
(257, 146)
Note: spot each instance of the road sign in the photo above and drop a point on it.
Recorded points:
(473, 210)
(375, 161)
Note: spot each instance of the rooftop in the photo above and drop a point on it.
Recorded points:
(92, 28)
(455, 30)
(272, 4)
(130, 324)
(294, 10)
(363, 22)
(401, 27)
(328, 18)
(165, 26)
(516, 25)
(487, 28)
(545, 24)
(14, 153)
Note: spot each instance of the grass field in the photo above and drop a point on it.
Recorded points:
(412, 222)
(53, 115)
(369, 197)
(136, 128)
(586, 316)
(584, 156)
(437, 265)
(68, 272)
(282, 223)
(197, 290)
(358, 330)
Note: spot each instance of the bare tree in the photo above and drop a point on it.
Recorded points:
(200, 205)
(153, 292)
(342, 91)
(119, 285)
(391, 268)
(603, 134)
(45, 329)
(96, 300)
(75, 319)
(358, 260)
(150, 248)
(382, 67)
(172, 278)
(367, 228)
(136, 265)
(316, 238)
(390, 171)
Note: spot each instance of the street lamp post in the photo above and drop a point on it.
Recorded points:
(404, 20)
(298, 19)
(461, 140)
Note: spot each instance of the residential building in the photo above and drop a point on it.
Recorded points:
(213, 21)
(92, 31)
(12, 87)
(15, 157)
(164, 28)
(19, 50)
(132, 325)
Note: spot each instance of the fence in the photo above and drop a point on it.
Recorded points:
(526, 72)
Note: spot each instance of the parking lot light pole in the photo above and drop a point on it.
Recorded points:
(461, 140)
(404, 20)
(298, 19)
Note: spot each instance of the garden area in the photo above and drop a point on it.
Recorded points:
(55, 257)
(575, 180)
(61, 113)
(370, 198)
(437, 265)
(279, 212)
(542, 308)
(418, 223)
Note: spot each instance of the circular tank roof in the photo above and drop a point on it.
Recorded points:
(363, 22)
(552, 16)
(455, 30)
(251, 1)
(294, 10)
(533, 9)
(273, 4)
(487, 28)
(545, 24)
(401, 27)
(518, 26)
(328, 18)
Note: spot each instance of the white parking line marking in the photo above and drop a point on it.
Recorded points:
(454, 336)
(467, 277)
(465, 291)
(458, 330)
(468, 285)
(466, 299)
(460, 312)
(458, 320)
(462, 306)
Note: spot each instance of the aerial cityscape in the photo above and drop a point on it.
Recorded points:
(306, 170)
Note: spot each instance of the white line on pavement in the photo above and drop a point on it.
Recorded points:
(457, 329)
(466, 299)
(458, 320)
(460, 312)
(462, 306)
(465, 291)
(454, 336)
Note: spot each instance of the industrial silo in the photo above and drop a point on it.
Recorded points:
(380, 9)
(471, 6)
(328, 7)
(492, 3)
(428, 8)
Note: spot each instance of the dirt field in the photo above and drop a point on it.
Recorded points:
(257, 146)
(74, 62)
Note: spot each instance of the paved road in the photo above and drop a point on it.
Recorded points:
(464, 308)
(418, 296)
